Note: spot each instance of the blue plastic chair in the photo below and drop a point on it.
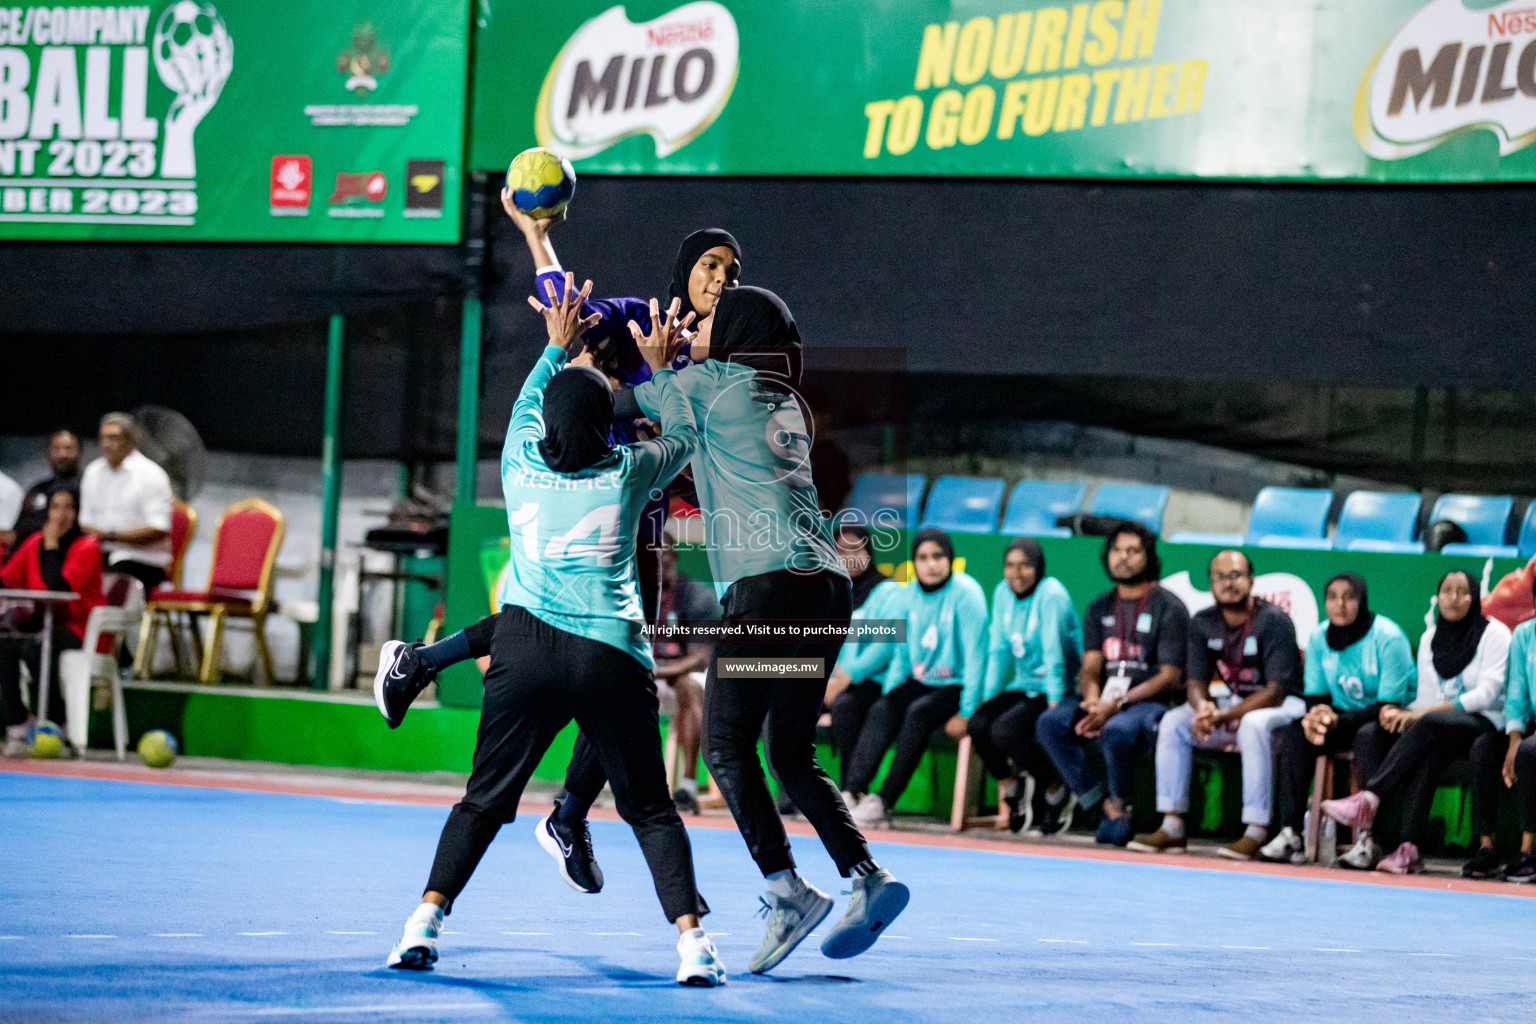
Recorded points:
(964, 504)
(1280, 513)
(1144, 503)
(899, 494)
(1035, 505)
(1485, 519)
(1527, 543)
(1378, 521)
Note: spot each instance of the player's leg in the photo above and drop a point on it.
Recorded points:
(880, 728)
(1255, 743)
(1045, 803)
(524, 708)
(925, 714)
(849, 709)
(405, 669)
(617, 711)
(563, 833)
(1175, 761)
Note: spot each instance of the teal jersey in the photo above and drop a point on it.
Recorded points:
(866, 660)
(946, 636)
(1518, 698)
(1035, 644)
(573, 535)
(753, 474)
(1377, 668)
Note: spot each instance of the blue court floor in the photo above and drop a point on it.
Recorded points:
(135, 902)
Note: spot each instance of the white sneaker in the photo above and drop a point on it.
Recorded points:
(16, 740)
(877, 899)
(417, 948)
(1364, 855)
(1285, 848)
(870, 812)
(701, 967)
(790, 920)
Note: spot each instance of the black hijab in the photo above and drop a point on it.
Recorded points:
(73, 533)
(865, 582)
(940, 538)
(753, 327)
(693, 247)
(1340, 637)
(578, 413)
(1455, 643)
(1035, 555)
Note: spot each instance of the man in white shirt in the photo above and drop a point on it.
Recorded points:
(10, 507)
(125, 503)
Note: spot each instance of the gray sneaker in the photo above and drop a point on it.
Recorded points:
(877, 900)
(790, 920)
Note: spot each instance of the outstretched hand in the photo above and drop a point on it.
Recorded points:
(666, 338)
(562, 317)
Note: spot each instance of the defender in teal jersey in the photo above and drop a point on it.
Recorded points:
(568, 643)
(772, 556)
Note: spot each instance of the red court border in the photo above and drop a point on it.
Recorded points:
(413, 793)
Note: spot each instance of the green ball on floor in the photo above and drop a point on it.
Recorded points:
(158, 748)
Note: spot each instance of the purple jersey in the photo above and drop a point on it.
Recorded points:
(611, 334)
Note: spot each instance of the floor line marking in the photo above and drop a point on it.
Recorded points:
(968, 938)
(1506, 958)
(8, 938)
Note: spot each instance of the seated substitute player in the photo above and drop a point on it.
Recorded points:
(1514, 762)
(1035, 646)
(1244, 678)
(569, 641)
(1134, 640)
(1460, 699)
(771, 552)
(1357, 664)
(856, 680)
(945, 653)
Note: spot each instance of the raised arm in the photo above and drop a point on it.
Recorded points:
(665, 456)
(565, 325)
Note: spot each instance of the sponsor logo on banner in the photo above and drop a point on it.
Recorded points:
(1451, 69)
(424, 181)
(77, 142)
(668, 78)
(292, 186)
(358, 195)
(361, 63)
(364, 62)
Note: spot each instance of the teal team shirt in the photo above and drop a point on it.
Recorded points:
(1518, 698)
(573, 536)
(1378, 668)
(867, 659)
(1035, 645)
(753, 474)
(946, 636)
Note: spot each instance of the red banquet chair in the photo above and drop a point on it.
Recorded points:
(245, 547)
(183, 530)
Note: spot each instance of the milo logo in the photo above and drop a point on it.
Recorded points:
(1451, 69)
(668, 78)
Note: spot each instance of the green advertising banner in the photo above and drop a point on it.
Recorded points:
(234, 120)
(1388, 90)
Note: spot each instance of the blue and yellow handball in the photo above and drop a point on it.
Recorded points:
(158, 749)
(45, 741)
(542, 183)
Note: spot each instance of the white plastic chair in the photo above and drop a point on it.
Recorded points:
(79, 669)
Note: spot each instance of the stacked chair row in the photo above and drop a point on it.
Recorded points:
(1283, 517)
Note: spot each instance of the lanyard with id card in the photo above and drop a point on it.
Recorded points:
(1119, 684)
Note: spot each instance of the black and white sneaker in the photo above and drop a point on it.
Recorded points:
(571, 847)
(400, 679)
(1051, 817)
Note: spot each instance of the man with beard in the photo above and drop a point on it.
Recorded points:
(64, 462)
(1133, 671)
(1244, 674)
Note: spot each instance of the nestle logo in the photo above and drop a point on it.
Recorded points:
(1512, 23)
(680, 33)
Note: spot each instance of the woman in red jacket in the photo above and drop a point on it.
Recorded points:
(58, 557)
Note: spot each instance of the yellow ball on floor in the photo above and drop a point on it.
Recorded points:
(47, 745)
(158, 749)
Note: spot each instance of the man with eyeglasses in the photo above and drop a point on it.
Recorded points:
(1244, 681)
